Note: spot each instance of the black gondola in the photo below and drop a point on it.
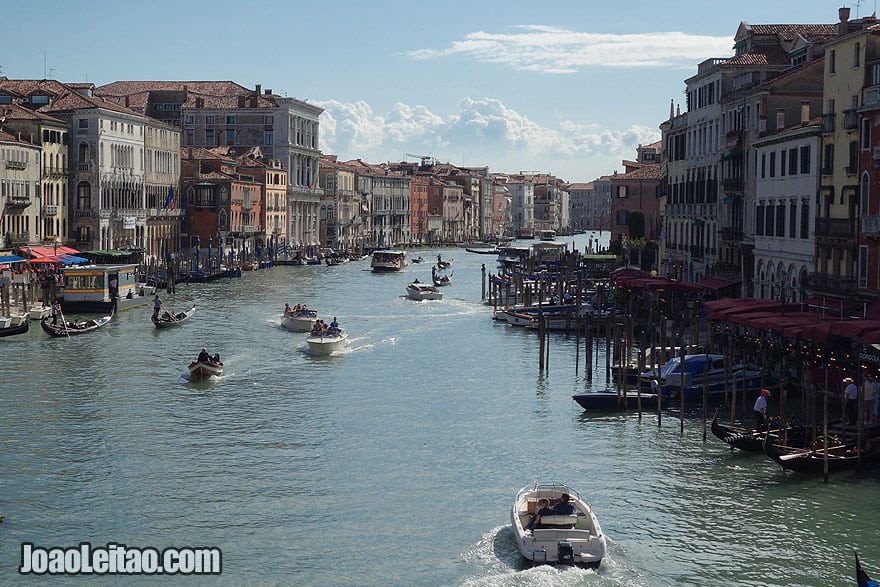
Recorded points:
(440, 279)
(167, 319)
(65, 328)
(751, 440)
(811, 461)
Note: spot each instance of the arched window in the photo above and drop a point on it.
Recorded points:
(83, 196)
(83, 153)
(865, 191)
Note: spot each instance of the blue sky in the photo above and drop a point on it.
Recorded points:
(563, 87)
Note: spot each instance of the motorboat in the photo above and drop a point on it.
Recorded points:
(386, 260)
(423, 291)
(299, 321)
(610, 399)
(15, 324)
(572, 539)
(326, 343)
(168, 319)
(205, 369)
(701, 372)
(40, 312)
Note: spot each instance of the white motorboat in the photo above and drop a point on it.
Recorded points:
(702, 372)
(423, 291)
(326, 343)
(572, 539)
(40, 312)
(388, 260)
(301, 321)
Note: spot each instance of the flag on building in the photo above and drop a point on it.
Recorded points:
(169, 200)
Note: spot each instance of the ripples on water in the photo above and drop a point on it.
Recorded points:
(393, 462)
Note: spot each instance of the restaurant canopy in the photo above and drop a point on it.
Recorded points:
(11, 259)
(716, 283)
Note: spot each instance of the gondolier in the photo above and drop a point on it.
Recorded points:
(157, 305)
(760, 409)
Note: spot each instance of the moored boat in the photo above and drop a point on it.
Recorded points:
(40, 312)
(750, 440)
(423, 291)
(327, 343)
(168, 319)
(561, 538)
(812, 460)
(612, 400)
(12, 325)
(70, 328)
(702, 372)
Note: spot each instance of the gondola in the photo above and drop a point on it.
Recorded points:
(862, 577)
(750, 440)
(440, 279)
(167, 319)
(66, 328)
(444, 264)
(811, 460)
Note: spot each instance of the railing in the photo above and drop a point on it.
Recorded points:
(850, 119)
(831, 284)
(82, 213)
(734, 184)
(836, 227)
(18, 201)
(730, 233)
(828, 122)
(105, 213)
(19, 238)
(82, 166)
(248, 228)
(871, 225)
(16, 165)
(50, 210)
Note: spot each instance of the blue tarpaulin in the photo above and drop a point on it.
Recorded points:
(10, 259)
(71, 259)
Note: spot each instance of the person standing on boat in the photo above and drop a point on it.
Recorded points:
(850, 401)
(56, 309)
(157, 305)
(760, 409)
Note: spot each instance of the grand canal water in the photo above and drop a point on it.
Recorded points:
(393, 463)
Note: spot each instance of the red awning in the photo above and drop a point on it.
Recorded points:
(39, 260)
(715, 283)
(44, 251)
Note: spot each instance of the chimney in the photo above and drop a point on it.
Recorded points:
(126, 100)
(780, 118)
(268, 92)
(843, 13)
(805, 112)
(259, 89)
(185, 93)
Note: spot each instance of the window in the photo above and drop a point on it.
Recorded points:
(209, 138)
(189, 119)
(865, 134)
(230, 137)
(863, 266)
(832, 57)
(230, 120)
(792, 162)
(209, 120)
(84, 123)
(768, 219)
(828, 159)
(857, 54)
(780, 220)
(792, 220)
(621, 191)
(772, 163)
(763, 165)
(805, 159)
(805, 219)
(759, 220)
(783, 162)
(853, 163)
(268, 138)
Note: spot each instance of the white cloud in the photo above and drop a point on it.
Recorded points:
(561, 51)
(481, 132)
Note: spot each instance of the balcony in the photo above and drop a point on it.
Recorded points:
(82, 213)
(16, 165)
(732, 184)
(828, 122)
(82, 167)
(850, 119)
(871, 226)
(734, 139)
(248, 228)
(18, 201)
(19, 238)
(50, 210)
(731, 233)
(842, 228)
(821, 283)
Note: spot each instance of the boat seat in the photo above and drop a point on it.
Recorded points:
(567, 521)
